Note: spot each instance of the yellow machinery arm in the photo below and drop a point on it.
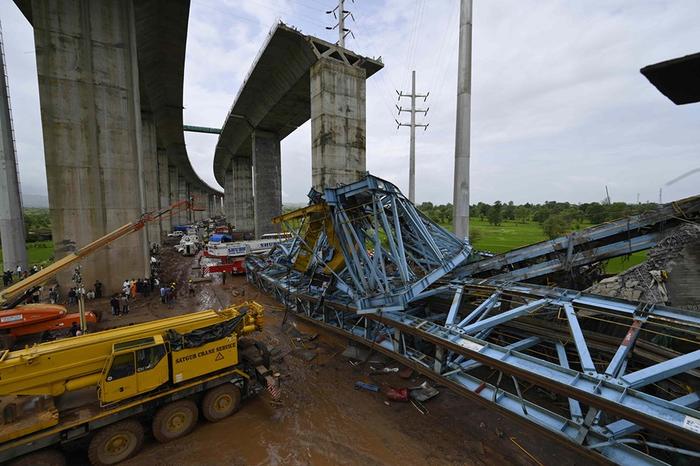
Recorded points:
(70, 364)
(45, 274)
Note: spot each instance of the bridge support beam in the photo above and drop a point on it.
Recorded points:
(176, 219)
(242, 199)
(267, 173)
(150, 174)
(164, 199)
(91, 120)
(338, 123)
(14, 250)
(229, 194)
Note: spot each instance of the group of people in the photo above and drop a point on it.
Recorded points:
(168, 293)
(8, 276)
(142, 286)
(74, 294)
(120, 304)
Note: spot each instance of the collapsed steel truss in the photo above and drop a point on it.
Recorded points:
(614, 377)
(587, 246)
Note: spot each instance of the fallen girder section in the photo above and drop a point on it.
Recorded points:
(366, 241)
(465, 334)
(588, 246)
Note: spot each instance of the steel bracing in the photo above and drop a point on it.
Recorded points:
(614, 377)
(587, 246)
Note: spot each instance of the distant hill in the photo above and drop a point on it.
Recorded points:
(35, 200)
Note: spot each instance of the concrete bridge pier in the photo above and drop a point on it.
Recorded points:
(150, 175)
(14, 250)
(267, 184)
(242, 189)
(228, 196)
(175, 219)
(164, 190)
(91, 112)
(338, 124)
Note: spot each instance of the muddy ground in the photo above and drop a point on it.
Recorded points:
(322, 419)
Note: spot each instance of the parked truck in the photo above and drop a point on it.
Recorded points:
(100, 391)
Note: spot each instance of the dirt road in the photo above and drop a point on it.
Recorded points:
(322, 419)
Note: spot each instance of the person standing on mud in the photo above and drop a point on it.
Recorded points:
(133, 288)
(98, 289)
(114, 302)
(190, 288)
(124, 301)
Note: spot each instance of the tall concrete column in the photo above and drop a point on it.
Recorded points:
(182, 193)
(460, 196)
(242, 199)
(211, 203)
(14, 250)
(150, 175)
(338, 123)
(267, 184)
(228, 196)
(91, 120)
(164, 189)
(174, 195)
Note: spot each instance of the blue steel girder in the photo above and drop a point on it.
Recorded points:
(640, 409)
(593, 244)
(397, 263)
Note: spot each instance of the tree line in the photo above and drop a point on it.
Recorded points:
(555, 218)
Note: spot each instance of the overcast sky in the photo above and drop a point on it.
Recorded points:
(559, 107)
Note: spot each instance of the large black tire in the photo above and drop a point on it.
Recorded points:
(175, 420)
(48, 457)
(220, 402)
(116, 443)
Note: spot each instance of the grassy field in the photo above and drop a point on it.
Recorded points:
(510, 235)
(40, 252)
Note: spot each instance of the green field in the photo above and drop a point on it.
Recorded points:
(40, 252)
(510, 235)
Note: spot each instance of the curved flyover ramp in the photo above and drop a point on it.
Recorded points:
(294, 78)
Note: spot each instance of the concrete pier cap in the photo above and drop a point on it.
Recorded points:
(294, 78)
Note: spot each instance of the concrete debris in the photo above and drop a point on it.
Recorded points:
(356, 352)
(424, 392)
(659, 279)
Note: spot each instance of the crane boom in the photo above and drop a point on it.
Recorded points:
(46, 273)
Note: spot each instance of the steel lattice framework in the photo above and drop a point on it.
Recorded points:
(617, 378)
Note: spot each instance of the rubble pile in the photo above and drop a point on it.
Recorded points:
(646, 282)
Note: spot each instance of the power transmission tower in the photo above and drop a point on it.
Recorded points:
(341, 14)
(413, 125)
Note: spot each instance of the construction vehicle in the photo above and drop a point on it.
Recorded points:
(99, 390)
(18, 320)
(231, 255)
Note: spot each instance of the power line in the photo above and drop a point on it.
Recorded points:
(413, 125)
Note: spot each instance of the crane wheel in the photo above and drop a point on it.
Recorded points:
(48, 457)
(220, 402)
(116, 443)
(175, 420)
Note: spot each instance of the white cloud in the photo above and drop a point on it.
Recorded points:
(559, 107)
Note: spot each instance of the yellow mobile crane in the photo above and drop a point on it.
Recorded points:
(106, 386)
(18, 320)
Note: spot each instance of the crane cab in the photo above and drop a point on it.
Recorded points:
(135, 367)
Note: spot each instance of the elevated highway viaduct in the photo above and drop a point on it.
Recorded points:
(110, 78)
(294, 78)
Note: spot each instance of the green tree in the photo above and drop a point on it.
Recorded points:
(556, 225)
(495, 214)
